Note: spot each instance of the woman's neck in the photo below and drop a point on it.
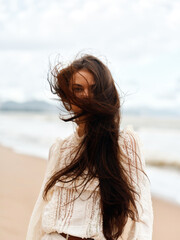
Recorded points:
(80, 129)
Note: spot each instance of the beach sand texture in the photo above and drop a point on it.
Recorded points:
(21, 177)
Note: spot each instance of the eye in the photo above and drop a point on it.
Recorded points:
(77, 89)
(93, 87)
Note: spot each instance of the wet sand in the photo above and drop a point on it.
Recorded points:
(21, 177)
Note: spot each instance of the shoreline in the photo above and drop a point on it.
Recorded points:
(21, 178)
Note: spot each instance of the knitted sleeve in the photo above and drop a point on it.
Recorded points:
(34, 231)
(133, 148)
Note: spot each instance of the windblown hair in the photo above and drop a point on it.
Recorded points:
(98, 151)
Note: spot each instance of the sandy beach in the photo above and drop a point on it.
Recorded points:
(20, 179)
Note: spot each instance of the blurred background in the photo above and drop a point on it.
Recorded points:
(139, 40)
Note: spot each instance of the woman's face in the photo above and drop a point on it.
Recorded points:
(81, 84)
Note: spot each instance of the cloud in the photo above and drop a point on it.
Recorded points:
(134, 35)
(129, 28)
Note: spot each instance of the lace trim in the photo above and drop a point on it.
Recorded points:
(56, 216)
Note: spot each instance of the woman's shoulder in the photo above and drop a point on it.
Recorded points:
(55, 157)
(131, 145)
(61, 143)
(128, 136)
(129, 132)
(57, 142)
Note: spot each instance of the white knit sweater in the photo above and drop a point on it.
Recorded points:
(82, 217)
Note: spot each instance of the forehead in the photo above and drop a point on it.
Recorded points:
(83, 77)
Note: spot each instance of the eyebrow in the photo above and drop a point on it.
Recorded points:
(82, 85)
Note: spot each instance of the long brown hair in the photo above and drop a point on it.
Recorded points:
(98, 152)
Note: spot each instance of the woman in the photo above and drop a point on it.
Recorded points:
(95, 186)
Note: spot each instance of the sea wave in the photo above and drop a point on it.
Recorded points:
(164, 164)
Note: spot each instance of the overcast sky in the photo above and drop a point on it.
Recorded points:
(139, 40)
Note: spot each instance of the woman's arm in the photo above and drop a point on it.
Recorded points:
(140, 230)
(35, 231)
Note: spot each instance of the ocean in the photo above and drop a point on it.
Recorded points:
(34, 133)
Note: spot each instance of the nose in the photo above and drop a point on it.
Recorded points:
(86, 93)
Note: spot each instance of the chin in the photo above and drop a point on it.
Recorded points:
(75, 109)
